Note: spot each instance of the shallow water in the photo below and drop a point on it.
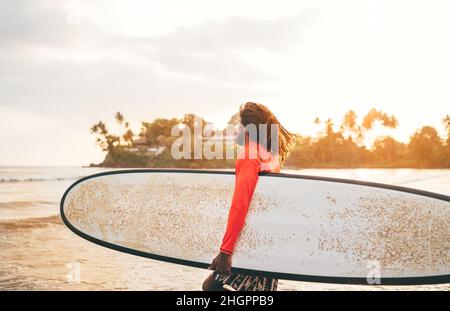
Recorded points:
(38, 252)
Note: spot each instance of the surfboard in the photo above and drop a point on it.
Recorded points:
(298, 227)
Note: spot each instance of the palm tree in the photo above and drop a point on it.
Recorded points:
(108, 141)
(350, 125)
(128, 136)
(119, 118)
(105, 140)
(376, 115)
(446, 122)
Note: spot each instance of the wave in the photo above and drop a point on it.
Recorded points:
(35, 179)
(30, 223)
(23, 204)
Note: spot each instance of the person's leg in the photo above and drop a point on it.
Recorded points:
(210, 284)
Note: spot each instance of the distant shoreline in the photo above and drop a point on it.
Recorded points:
(331, 166)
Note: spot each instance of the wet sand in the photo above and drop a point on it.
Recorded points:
(42, 254)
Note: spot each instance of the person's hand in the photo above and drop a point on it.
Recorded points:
(221, 264)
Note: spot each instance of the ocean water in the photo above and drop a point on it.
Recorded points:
(38, 252)
(29, 191)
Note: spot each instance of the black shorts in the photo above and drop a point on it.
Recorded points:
(242, 282)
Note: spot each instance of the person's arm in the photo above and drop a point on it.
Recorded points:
(246, 180)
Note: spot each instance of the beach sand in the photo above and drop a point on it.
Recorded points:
(42, 254)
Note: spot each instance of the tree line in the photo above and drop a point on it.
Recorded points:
(344, 147)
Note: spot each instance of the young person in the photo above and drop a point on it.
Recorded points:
(264, 151)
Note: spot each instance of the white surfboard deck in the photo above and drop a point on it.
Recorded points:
(298, 227)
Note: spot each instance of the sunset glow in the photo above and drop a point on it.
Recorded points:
(68, 64)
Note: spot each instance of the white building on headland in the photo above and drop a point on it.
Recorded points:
(140, 145)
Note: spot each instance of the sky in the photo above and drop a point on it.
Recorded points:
(65, 65)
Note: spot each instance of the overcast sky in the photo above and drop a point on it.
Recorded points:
(64, 65)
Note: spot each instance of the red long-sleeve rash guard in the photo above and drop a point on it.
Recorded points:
(247, 170)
